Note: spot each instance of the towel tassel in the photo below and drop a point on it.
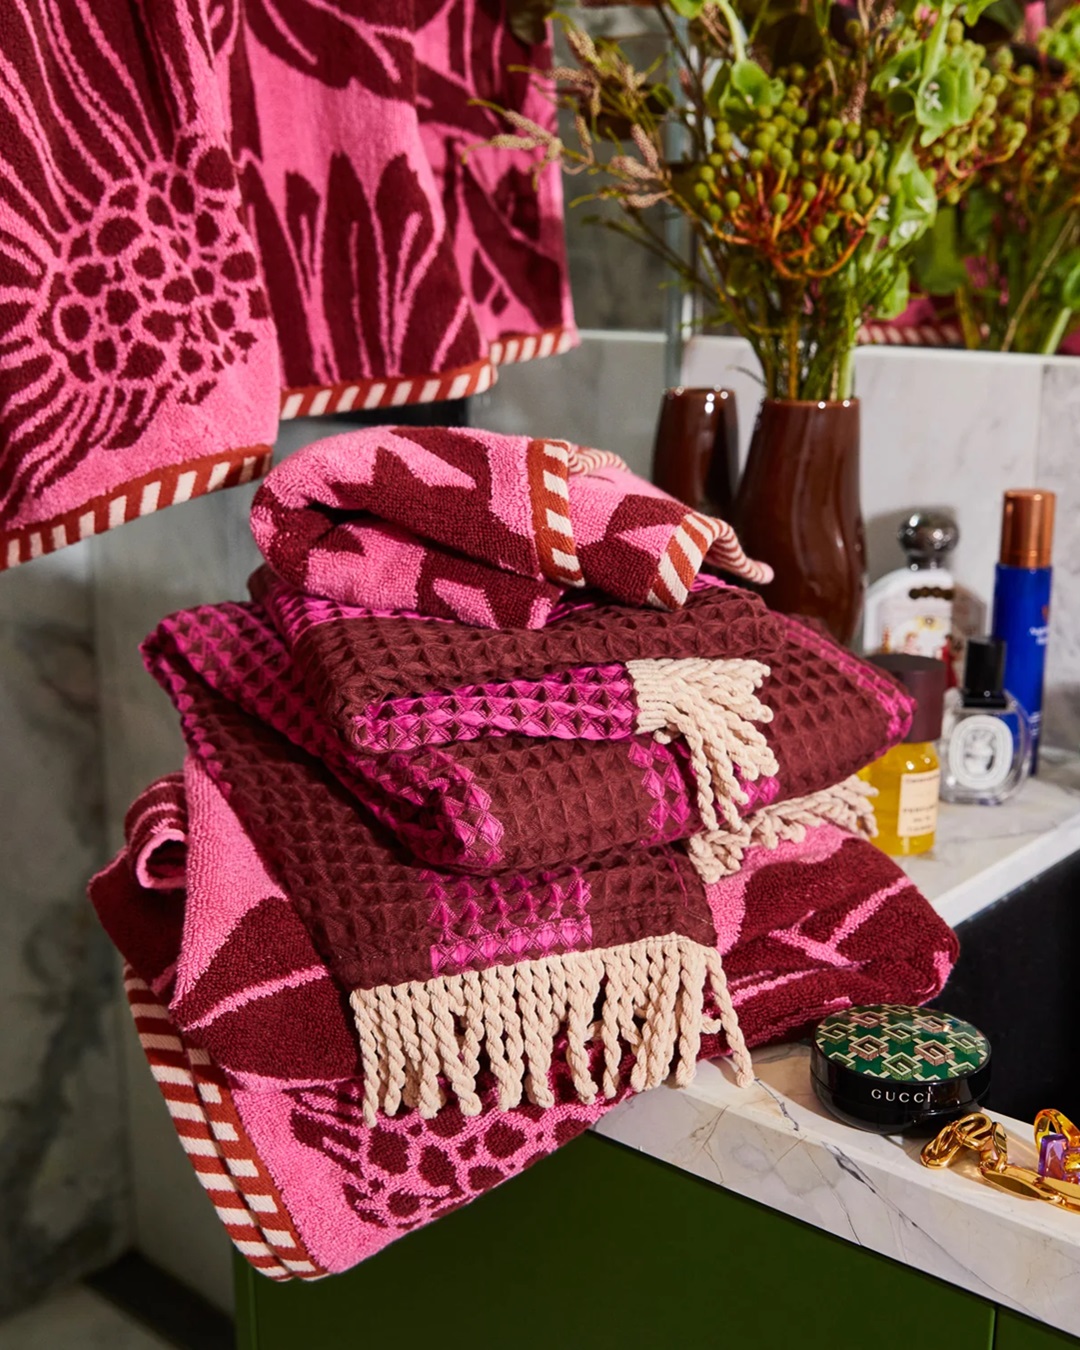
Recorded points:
(421, 1042)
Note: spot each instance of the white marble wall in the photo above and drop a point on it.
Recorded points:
(63, 1175)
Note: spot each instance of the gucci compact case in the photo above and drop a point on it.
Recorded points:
(891, 1068)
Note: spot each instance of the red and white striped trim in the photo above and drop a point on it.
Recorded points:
(533, 346)
(911, 335)
(151, 492)
(394, 392)
(584, 460)
(365, 395)
(548, 469)
(727, 554)
(194, 478)
(218, 1148)
(681, 561)
(694, 539)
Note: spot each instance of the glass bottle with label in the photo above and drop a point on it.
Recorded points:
(908, 776)
(986, 738)
(911, 609)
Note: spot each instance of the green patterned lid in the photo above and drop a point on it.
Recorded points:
(902, 1044)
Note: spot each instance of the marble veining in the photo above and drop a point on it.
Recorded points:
(775, 1144)
(63, 1182)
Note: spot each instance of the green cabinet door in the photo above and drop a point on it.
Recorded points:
(1021, 1333)
(601, 1248)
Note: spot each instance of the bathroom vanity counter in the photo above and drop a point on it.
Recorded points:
(775, 1144)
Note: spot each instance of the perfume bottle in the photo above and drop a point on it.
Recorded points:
(908, 776)
(986, 740)
(911, 609)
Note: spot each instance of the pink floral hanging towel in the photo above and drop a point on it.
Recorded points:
(215, 214)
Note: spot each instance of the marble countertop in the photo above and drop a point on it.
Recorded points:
(776, 1144)
(984, 852)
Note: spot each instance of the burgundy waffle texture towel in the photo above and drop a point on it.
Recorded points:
(215, 214)
(251, 1040)
(576, 779)
(483, 528)
(509, 962)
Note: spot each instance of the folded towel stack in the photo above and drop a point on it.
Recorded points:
(465, 851)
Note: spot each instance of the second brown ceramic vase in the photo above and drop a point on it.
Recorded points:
(797, 508)
(696, 449)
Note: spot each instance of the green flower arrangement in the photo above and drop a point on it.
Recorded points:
(1009, 256)
(807, 148)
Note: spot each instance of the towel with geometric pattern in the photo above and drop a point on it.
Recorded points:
(615, 951)
(499, 799)
(252, 1044)
(483, 528)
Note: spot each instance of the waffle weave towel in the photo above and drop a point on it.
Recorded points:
(251, 1042)
(540, 766)
(516, 959)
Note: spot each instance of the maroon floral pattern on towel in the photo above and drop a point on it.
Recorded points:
(201, 230)
(260, 1073)
(484, 528)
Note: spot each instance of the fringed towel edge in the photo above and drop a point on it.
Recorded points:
(713, 706)
(719, 853)
(421, 1042)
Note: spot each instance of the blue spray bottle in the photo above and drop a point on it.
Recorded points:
(1022, 598)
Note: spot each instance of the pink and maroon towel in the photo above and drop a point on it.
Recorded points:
(253, 1046)
(432, 895)
(512, 960)
(478, 527)
(215, 215)
(520, 780)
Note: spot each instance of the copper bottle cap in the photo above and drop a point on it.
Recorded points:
(1027, 527)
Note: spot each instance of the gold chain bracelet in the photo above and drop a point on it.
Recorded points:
(979, 1134)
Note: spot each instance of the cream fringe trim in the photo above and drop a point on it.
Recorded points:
(718, 853)
(713, 706)
(422, 1041)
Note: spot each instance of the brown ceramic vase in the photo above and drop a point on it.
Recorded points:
(797, 508)
(696, 450)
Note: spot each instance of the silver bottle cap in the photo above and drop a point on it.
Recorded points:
(927, 536)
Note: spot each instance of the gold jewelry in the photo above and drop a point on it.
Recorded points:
(979, 1134)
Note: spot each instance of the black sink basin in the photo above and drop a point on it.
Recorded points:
(1018, 980)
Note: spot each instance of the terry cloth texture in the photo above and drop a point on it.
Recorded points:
(546, 794)
(215, 214)
(252, 1043)
(480, 527)
(513, 960)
